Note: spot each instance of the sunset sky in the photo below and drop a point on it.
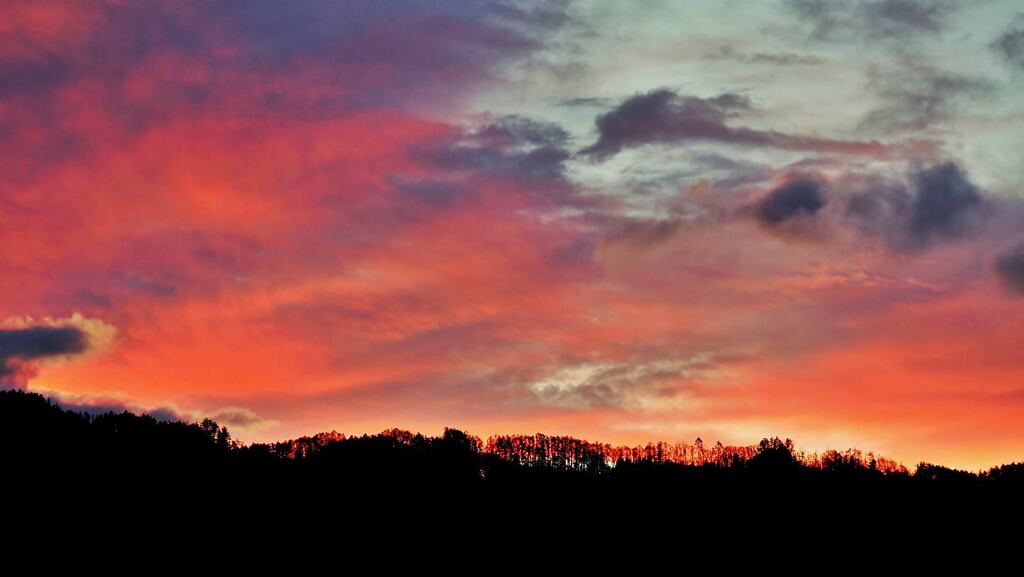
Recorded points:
(622, 221)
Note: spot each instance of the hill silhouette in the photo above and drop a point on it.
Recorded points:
(45, 450)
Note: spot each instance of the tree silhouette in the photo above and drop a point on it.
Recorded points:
(43, 445)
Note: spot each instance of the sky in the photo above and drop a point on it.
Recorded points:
(621, 221)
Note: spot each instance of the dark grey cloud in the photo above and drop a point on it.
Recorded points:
(803, 196)
(588, 101)
(873, 19)
(38, 342)
(438, 193)
(937, 203)
(518, 131)
(30, 74)
(663, 116)
(509, 146)
(944, 205)
(528, 153)
(1010, 44)
(20, 347)
(1010, 268)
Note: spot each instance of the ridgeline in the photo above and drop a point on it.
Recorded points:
(44, 447)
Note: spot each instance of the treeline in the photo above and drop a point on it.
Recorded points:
(41, 441)
(572, 454)
(563, 452)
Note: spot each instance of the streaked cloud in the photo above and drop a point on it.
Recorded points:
(664, 117)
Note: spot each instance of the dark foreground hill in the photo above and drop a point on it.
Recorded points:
(73, 458)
